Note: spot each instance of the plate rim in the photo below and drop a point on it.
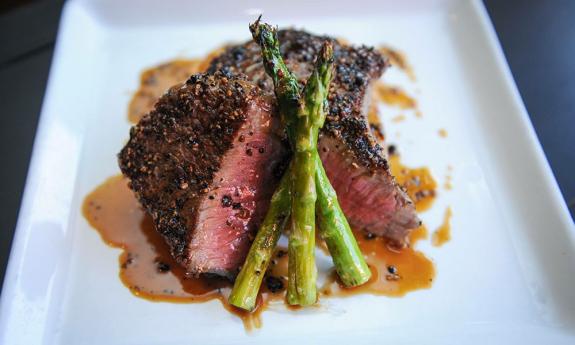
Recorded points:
(8, 300)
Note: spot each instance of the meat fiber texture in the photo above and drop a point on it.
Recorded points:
(204, 164)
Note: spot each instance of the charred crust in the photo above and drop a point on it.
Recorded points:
(353, 132)
(356, 68)
(168, 172)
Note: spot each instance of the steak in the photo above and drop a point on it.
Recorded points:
(204, 163)
(355, 163)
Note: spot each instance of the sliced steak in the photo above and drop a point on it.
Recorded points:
(355, 163)
(204, 164)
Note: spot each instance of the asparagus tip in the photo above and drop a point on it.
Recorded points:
(255, 27)
(261, 31)
(326, 52)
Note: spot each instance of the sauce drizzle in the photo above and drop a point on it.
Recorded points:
(146, 267)
(397, 58)
(148, 270)
(394, 273)
(394, 96)
(419, 183)
(155, 81)
(443, 233)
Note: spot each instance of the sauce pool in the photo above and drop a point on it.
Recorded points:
(146, 267)
(418, 182)
(394, 273)
(148, 270)
(443, 233)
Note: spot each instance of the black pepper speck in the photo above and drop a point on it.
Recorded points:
(226, 201)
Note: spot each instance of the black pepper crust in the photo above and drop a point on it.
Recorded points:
(356, 68)
(175, 150)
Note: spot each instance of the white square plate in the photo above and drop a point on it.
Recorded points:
(508, 275)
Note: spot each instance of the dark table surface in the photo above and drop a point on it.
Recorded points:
(538, 38)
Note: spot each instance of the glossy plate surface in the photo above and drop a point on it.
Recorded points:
(507, 276)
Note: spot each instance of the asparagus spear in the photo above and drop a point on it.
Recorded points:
(333, 226)
(286, 86)
(302, 272)
(248, 282)
(335, 231)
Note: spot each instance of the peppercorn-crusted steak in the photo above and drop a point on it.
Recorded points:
(204, 164)
(355, 163)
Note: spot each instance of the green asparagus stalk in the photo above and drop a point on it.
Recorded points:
(248, 282)
(335, 231)
(302, 272)
(333, 226)
(245, 291)
(286, 86)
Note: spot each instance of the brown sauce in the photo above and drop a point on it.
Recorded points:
(394, 96)
(343, 41)
(398, 118)
(146, 266)
(155, 81)
(443, 234)
(375, 122)
(398, 59)
(373, 115)
(394, 273)
(419, 183)
(148, 270)
(418, 234)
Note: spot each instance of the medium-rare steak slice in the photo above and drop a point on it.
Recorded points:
(204, 164)
(355, 163)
